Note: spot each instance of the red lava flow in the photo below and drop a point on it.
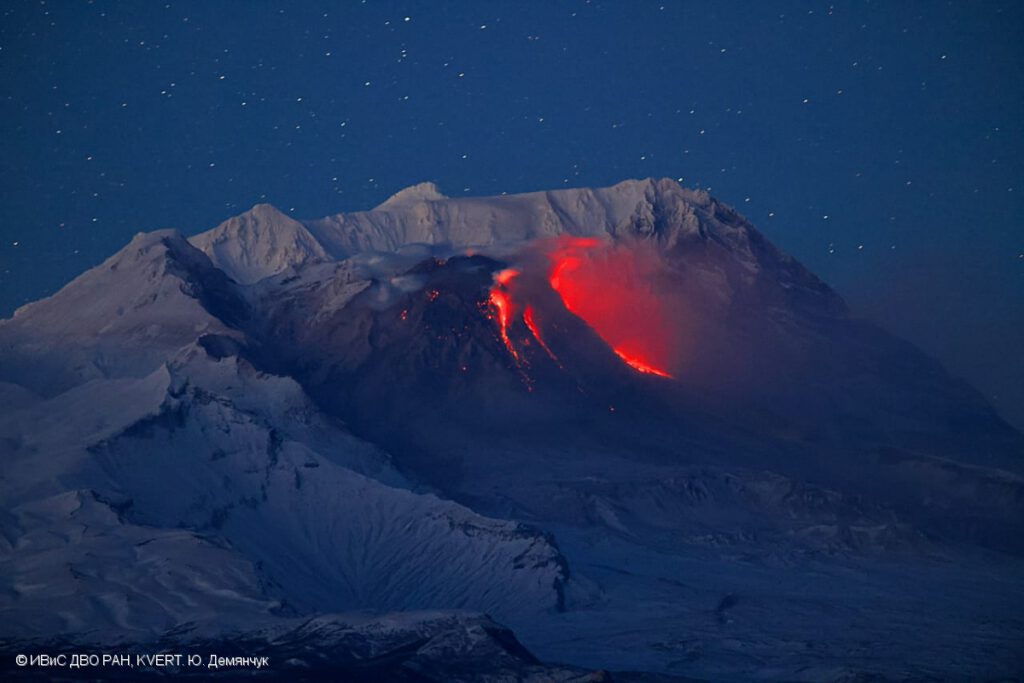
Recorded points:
(501, 301)
(609, 287)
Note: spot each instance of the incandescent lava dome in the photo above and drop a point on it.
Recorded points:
(618, 290)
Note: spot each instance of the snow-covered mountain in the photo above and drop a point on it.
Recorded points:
(618, 420)
(259, 243)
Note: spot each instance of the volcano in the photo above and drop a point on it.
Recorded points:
(618, 422)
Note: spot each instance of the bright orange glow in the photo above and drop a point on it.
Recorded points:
(505, 308)
(610, 288)
(506, 276)
(501, 302)
(640, 366)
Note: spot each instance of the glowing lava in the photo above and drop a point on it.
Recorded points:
(640, 366)
(501, 301)
(612, 289)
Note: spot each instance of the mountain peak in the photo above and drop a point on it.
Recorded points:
(421, 192)
(265, 210)
(259, 243)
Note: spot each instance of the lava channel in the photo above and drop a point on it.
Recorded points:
(502, 304)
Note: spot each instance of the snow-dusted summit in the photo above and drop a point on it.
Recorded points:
(421, 192)
(260, 242)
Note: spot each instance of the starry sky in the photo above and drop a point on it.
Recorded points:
(878, 142)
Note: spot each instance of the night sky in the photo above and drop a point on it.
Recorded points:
(878, 142)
